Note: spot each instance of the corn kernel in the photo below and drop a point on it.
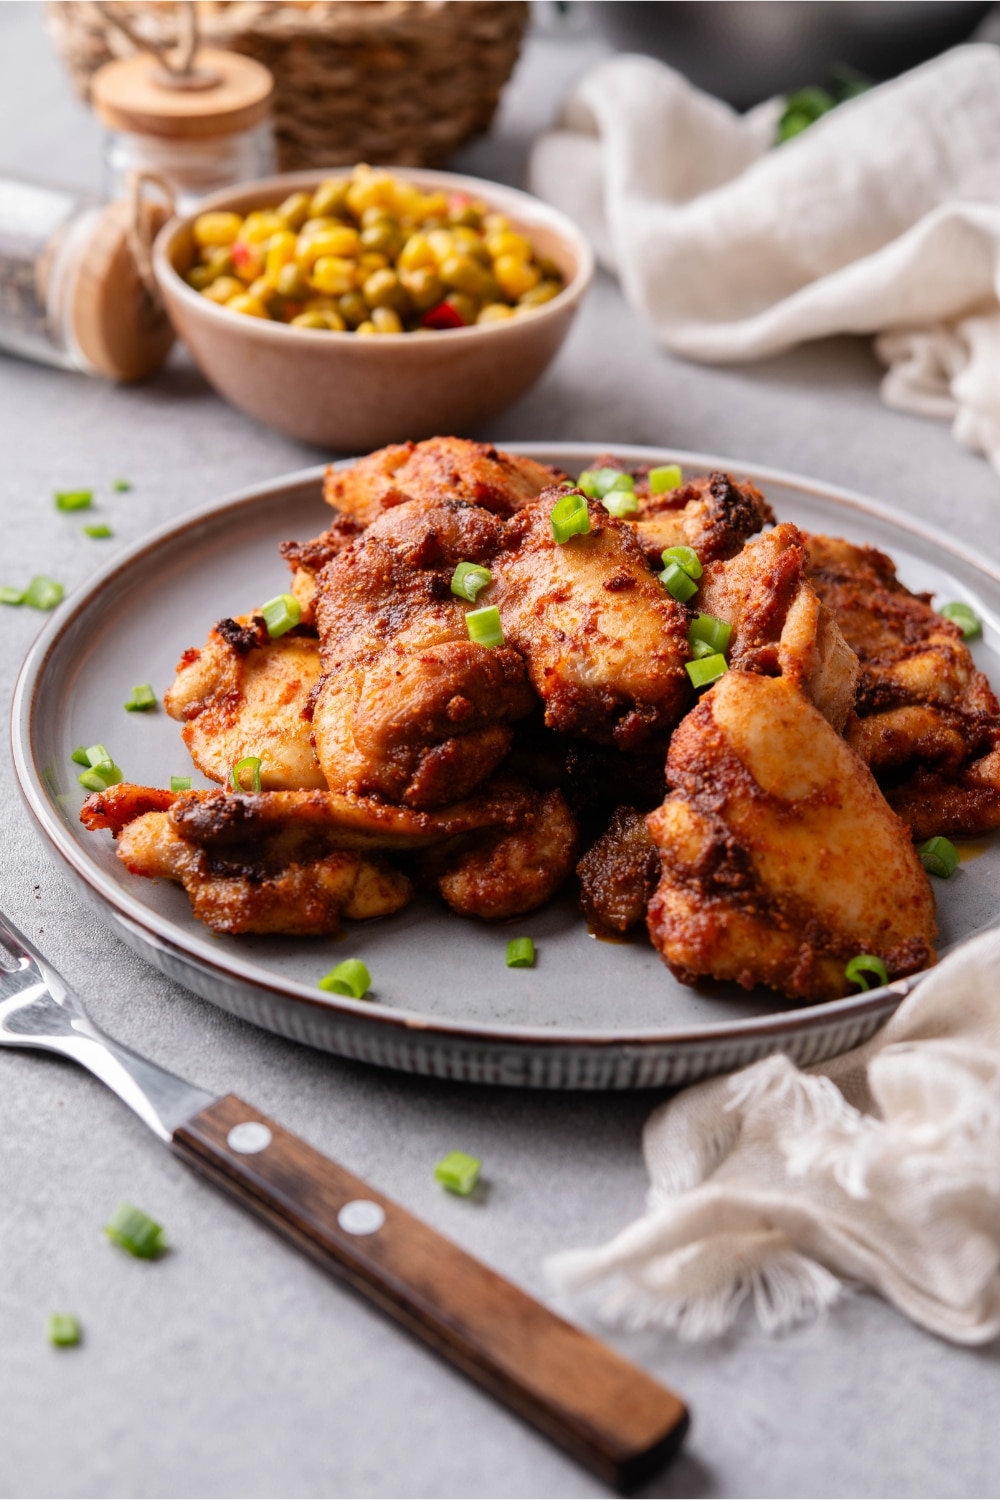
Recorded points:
(367, 327)
(495, 312)
(329, 320)
(259, 226)
(223, 289)
(442, 244)
(244, 303)
(515, 275)
(415, 253)
(329, 198)
(216, 228)
(463, 274)
(371, 262)
(496, 223)
(543, 292)
(291, 281)
(508, 243)
(248, 262)
(280, 251)
(295, 210)
(334, 274)
(340, 242)
(386, 320)
(371, 189)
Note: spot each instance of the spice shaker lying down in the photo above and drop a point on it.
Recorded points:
(72, 293)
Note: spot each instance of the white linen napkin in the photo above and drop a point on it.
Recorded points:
(777, 1185)
(881, 218)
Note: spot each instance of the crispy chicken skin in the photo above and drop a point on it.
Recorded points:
(928, 723)
(618, 874)
(307, 558)
(780, 627)
(244, 694)
(605, 645)
(780, 860)
(504, 873)
(409, 709)
(441, 467)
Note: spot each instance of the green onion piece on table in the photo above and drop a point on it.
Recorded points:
(677, 582)
(570, 517)
(11, 595)
(81, 756)
(520, 953)
(864, 964)
(136, 1232)
(143, 698)
(939, 857)
(666, 477)
(121, 485)
(281, 614)
(707, 669)
(43, 593)
(98, 530)
(469, 579)
(621, 503)
(180, 783)
(484, 626)
(685, 557)
(458, 1172)
(74, 499)
(965, 618)
(250, 764)
(349, 978)
(709, 630)
(64, 1330)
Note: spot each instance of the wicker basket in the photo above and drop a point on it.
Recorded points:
(381, 81)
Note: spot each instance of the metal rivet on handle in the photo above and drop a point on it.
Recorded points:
(361, 1216)
(249, 1138)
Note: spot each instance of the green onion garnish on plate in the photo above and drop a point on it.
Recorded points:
(570, 518)
(74, 499)
(864, 964)
(469, 579)
(136, 1232)
(142, 700)
(98, 530)
(666, 477)
(249, 765)
(349, 978)
(281, 614)
(101, 770)
(678, 583)
(965, 618)
(939, 857)
(64, 1330)
(458, 1172)
(705, 670)
(43, 593)
(81, 756)
(484, 626)
(520, 953)
(11, 595)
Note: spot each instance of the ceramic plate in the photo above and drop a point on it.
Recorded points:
(590, 1014)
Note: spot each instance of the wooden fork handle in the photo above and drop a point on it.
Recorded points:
(603, 1410)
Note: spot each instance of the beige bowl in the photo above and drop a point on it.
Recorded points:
(341, 391)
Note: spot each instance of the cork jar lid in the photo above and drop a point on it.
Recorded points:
(121, 328)
(224, 93)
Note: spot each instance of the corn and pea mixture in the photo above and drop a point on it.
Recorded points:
(371, 254)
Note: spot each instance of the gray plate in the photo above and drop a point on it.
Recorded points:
(590, 1014)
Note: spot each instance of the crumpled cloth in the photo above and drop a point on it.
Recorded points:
(881, 218)
(776, 1186)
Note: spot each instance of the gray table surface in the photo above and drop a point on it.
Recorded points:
(233, 1367)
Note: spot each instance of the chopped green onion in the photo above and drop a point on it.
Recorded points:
(866, 963)
(484, 626)
(939, 857)
(570, 517)
(685, 557)
(81, 756)
(469, 579)
(43, 593)
(97, 755)
(101, 777)
(568, 484)
(520, 953)
(121, 485)
(677, 582)
(281, 614)
(706, 669)
(596, 483)
(701, 649)
(709, 630)
(349, 978)
(667, 477)
(621, 503)
(142, 699)
(64, 1330)
(74, 499)
(249, 763)
(965, 618)
(136, 1232)
(98, 530)
(180, 783)
(622, 481)
(458, 1172)
(11, 595)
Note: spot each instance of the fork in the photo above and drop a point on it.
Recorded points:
(607, 1413)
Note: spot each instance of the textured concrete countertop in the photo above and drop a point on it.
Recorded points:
(234, 1367)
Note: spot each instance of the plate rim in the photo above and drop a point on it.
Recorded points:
(161, 933)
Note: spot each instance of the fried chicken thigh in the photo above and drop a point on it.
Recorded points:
(605, 644)
(928, 723)
(780, 860)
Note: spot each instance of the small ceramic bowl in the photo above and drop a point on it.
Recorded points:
(349, 393)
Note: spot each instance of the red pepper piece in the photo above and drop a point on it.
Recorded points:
(443, 316)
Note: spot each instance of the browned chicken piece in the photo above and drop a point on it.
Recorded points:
(506, 873)
(409, 709)
(307, 558)
(780, 627)
(619, 873)
(928, 723)
(243, 695)
(780, 859)
(604, 643)
(440, 468)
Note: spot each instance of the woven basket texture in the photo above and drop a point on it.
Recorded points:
(381, 81)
